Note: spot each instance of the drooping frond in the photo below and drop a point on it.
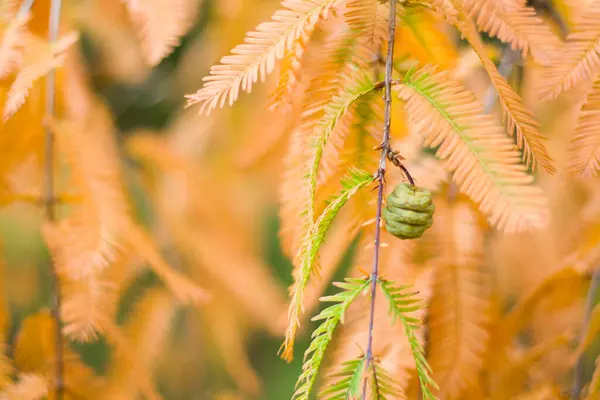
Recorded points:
(161, 24)
(365, 134)
(181, 286)
(580, 59)
(584, 160)
(289, 76)
(370, 20)
(11, 45)
(28, 387)
(127, 355)
(516, 23)
(252, 289)
(383, 384)
(391, 345)
(459, 309)
(90, 239)
(322, 335)
(342, 56)
(361, 85)
(147, 332)
(520, 122)
(208, 233)
(401, 305)
(347, 383)
(338, 240)
(86, 305)
(309, 250)
(39, 58)
(473, 147)
(258, 55)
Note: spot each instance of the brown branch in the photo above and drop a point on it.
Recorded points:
(55, 8)
(385, 149)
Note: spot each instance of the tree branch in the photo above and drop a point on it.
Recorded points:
(49, 200)
(385, 149)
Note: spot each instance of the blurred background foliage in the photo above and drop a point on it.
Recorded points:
(151, 99)
(229, 350)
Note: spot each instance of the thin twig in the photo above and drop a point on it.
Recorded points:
(589, 305)
(24, 9)
(385, 148)
(55, 8)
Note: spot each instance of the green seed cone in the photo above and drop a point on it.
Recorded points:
(409, 212)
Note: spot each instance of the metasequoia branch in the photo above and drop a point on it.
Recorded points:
(385, 149)
(49, 197)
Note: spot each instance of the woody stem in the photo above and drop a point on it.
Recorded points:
(385, 148)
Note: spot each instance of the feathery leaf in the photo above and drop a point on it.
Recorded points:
(289, 75)
(361, 85)
(401, 305)
(348, 381)
(89, 240)
(258, 55)
(161, 24)
(519, 120)
(341, 57)
(28, 387)
(11, 45)
(383, 383)
(308, 253)
(513, 22)
(585, 146)
(482, 158)
(39, 58)
(580, 59)
(321, 337)
(146, 334)
(87, 304)
(370, 20)
(459, 310)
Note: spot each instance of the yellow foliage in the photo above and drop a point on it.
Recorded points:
(159, 253)
(160, 24)
(459, 312)
(35, 352)
(29, 387)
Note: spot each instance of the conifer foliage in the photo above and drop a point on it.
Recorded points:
(455, 143)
